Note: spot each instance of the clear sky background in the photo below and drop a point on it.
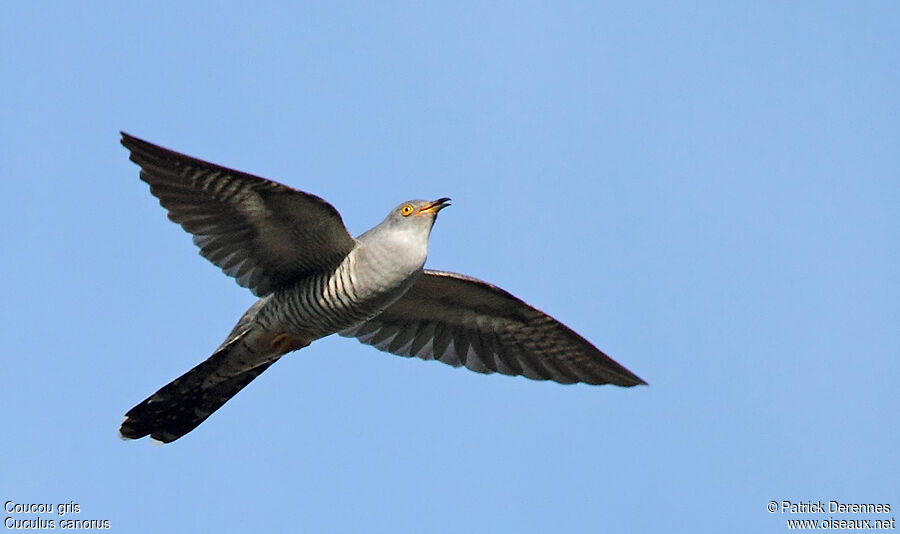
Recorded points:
(707, 191)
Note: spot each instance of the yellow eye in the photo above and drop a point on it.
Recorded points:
(406, 210)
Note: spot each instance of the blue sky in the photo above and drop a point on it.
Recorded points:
(707, 192)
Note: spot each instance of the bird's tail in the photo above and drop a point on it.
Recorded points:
(181, 405)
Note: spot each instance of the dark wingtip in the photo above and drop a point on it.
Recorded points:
(131, 142)
(126, 138)
(630, 379)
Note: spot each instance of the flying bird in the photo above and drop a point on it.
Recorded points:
(314, 279)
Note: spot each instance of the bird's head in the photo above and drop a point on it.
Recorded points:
(417, 215)
(419, 211)
(405, 231)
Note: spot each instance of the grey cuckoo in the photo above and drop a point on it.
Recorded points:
(313, 279)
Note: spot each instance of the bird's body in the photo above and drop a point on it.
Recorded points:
(291, 249)
(327, 302)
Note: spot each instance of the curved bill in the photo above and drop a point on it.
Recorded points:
(434, 206)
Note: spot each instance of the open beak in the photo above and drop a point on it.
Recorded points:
(434, 206)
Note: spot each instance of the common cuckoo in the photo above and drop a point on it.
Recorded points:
(313, 279)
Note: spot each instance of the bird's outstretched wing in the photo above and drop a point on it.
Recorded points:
(459, 320)
(262, 233)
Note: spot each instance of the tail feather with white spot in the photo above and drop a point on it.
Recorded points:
(178, 407)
